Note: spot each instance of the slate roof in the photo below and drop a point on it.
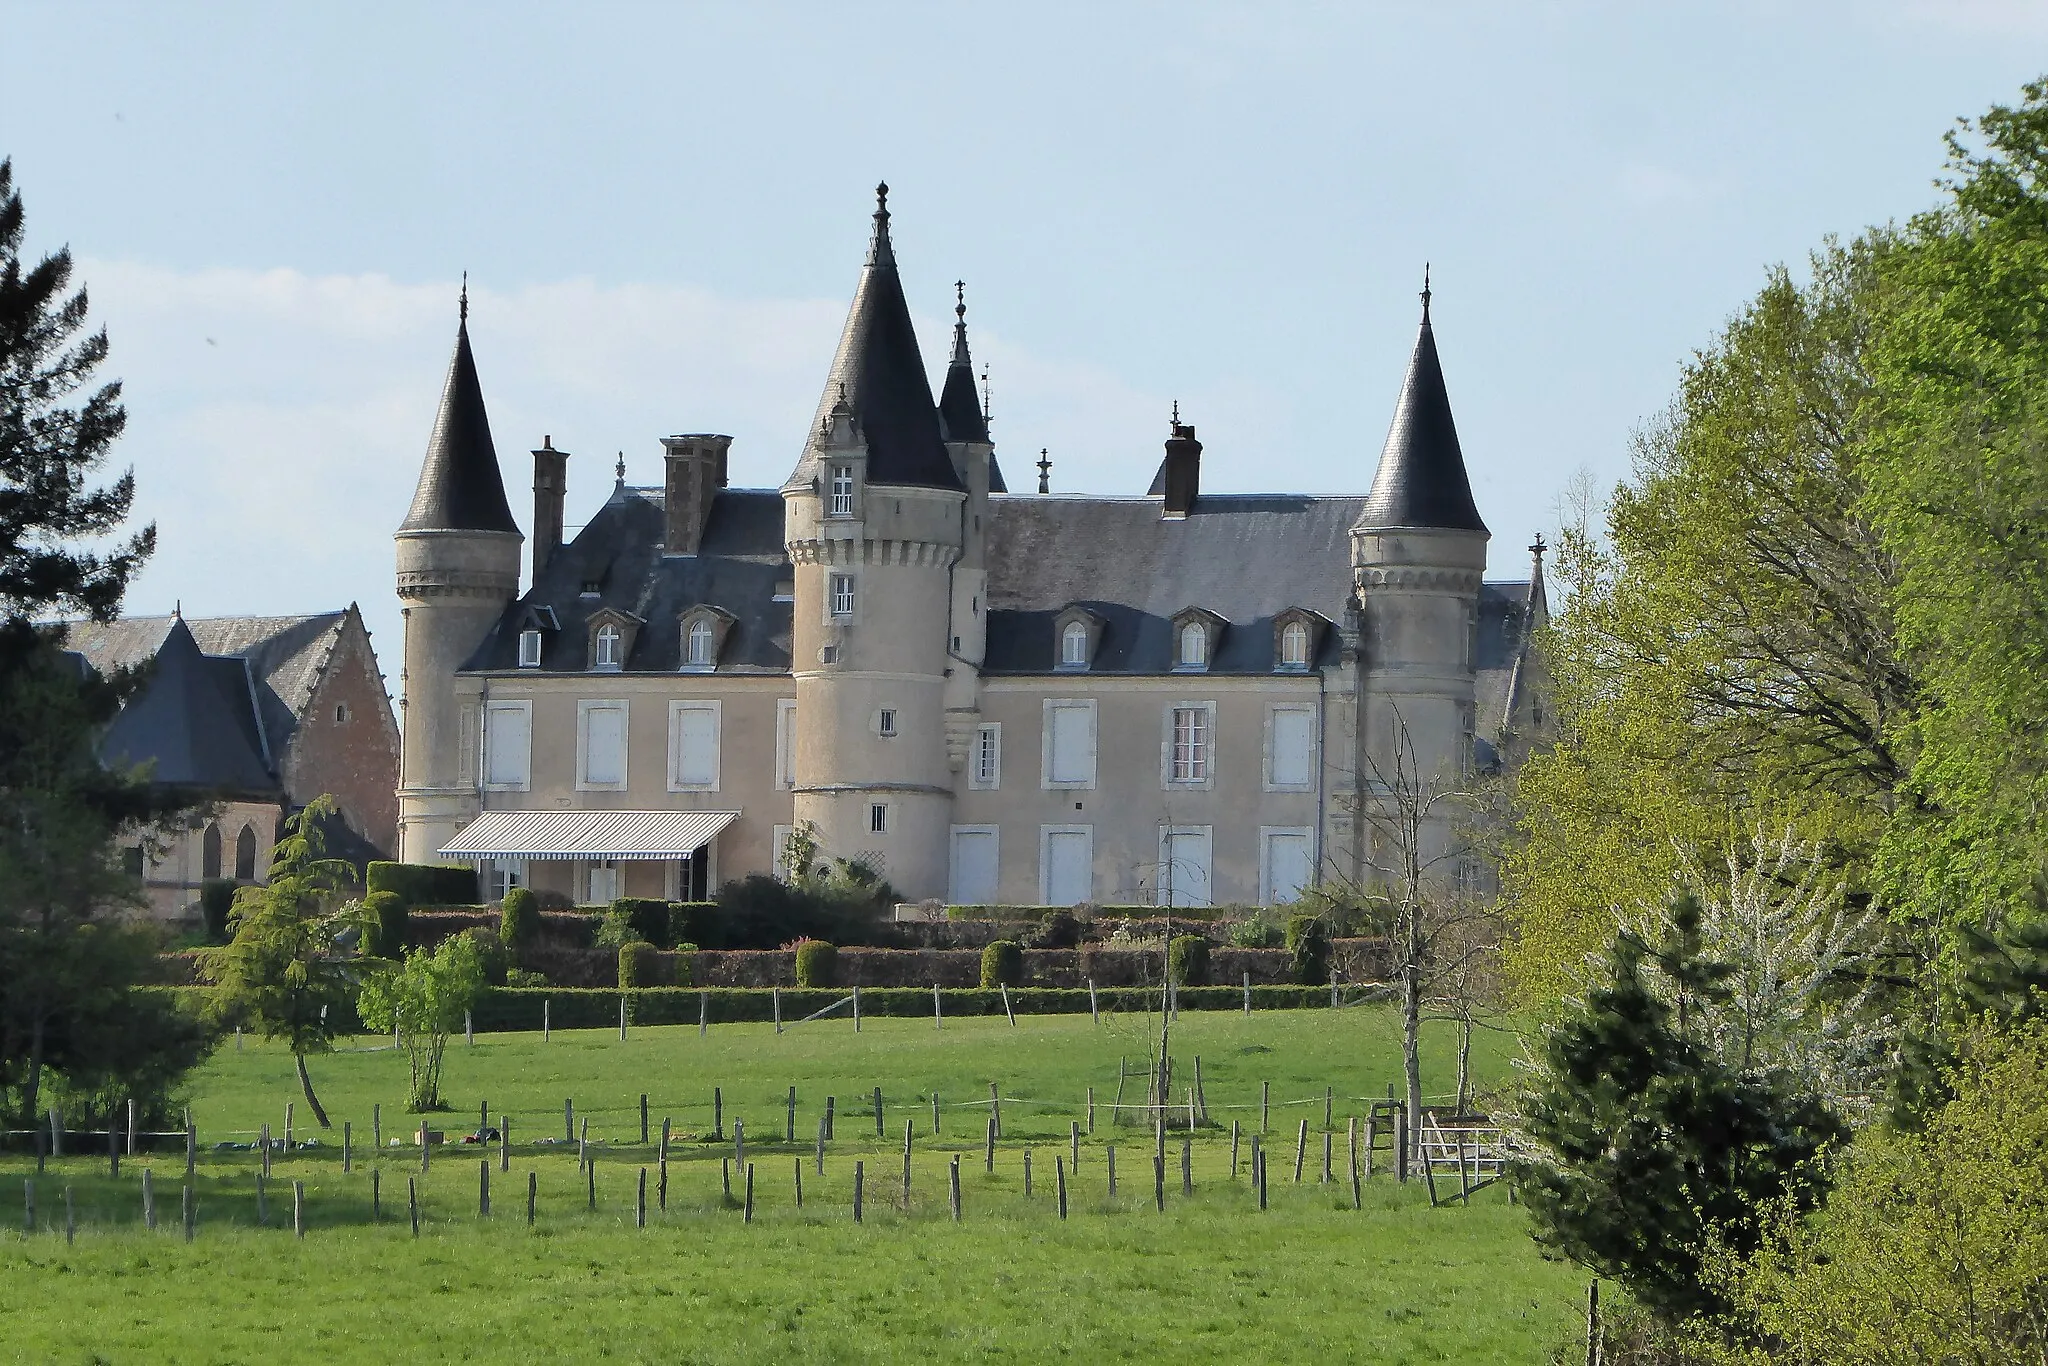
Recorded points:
(194, 723)
(460, 487)
(960, 416)
(1421, 480)
(1246, 557)
(285, 655)
(739, 565)
(881, 372)
(1503, 630)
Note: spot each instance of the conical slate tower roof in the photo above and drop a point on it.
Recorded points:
(194, 722)
(460, 488)
(1421, 480)
(960, 413)
(879, 370)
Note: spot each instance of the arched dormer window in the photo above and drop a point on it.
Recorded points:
(1297, 632)
(1294, 646)
(245, 855)
(1194, 647)
(703, 631)
(606, 655)
(697, 650)
(1196, 633)
(611, 639)
(1076, 633)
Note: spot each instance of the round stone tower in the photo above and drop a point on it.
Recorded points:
(873, 520)
(458, 566)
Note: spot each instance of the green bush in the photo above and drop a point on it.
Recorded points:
(648, 918)
(387, 938)
(817, 964)
(520, 977)
(216, 899)
(688, 922)
(763, 912)
(1308, 939)
(1002, 964)
(424, 884)
(491, 955)
(636, 964)
(519, 919)
(1188, 960)
(1059, 930)
(1254, 932)
(615, 931)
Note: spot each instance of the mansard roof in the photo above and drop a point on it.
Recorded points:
(881, 374)
(1421, 480)
(460, 488)
(194, 723)
(738, 568)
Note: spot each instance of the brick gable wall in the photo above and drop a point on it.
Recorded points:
(356, 759)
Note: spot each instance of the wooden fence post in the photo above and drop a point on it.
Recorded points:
(1265, 1106)
(1059, 1176)
(821, 1145)
(532, 1196)
(131, 1126)
(376, 1194)
(1401, 1144)
(347, 1138)
(1187, 1166)
(661, 1189)
(739, 1143)
(266, 1150)
(547, 1025)
(1159, 1181)
(622, 1017)
(799, 1183)
(377, 1127)
(1004, 987)
(1328, 1138)
(938, 1009)
(906, 1163)
(288, 1126)
(412, 1202)
(703, 1013)
(1094, 1011)
(468, 1030)
(590, 1186)
(880, 1132)
(640, 1200)
(1074, 1142)
(955, 1183)
(1233, 1150)
(504, 1143)
(856, 1015)
(1370, 1116)
(718, 1113)
(1091, 1112)
(569, 1121)
(1300, 1150)
(1109, 1154)
(298, 1209)
(789, 1121)
(860, 1172)
(1027, 1173)
(775, 996)
(1594, 1336)
(483, 1189)
(989, 1152)
(148, 1201)
(1329, 1105)
(1201, 1096)
(643, 1119)
(995, 1107)
(831, 1104)
(1247, 995)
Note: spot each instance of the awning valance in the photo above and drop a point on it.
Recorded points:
(588, 834)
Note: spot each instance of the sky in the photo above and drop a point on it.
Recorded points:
(662, 210)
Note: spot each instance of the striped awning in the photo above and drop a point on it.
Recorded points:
(588, 834)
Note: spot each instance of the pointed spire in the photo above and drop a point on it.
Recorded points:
(460, 488)
(1044, 471)
(960, 412)
(880, 373)
(1421, 480)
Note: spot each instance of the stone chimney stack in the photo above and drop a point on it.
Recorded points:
(1181, 473)
(550, 488)
(696, 472)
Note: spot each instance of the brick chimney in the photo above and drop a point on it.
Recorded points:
(550, 487)
(696, 472)
(1181, 473)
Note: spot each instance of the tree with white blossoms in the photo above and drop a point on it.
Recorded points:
(424, 1000)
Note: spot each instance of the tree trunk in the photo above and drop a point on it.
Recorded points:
(31, 1088)
(1411, 1045)
(1464, 1059)
(306, 1085)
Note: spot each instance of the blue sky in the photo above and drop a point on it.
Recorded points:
(663, 211)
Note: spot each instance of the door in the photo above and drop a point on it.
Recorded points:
(1069, 865)
(1184, 867)
(1289, 868)
(974, 866)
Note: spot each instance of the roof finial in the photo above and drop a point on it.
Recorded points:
(960, 301)
(621, 469)
(882, 199)
(1537, 547)
(1044, 471)
(178, 609)
(1425, 293)
(984, 392)
(880, 251)
(463, 305)
(1176, 415)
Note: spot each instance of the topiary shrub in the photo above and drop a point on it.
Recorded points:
(491, 954)
(1002, 964)
(216, 899)
(518, 919)
(424, 884)
(649, 919)
(1308, 939)
(817, 964)
(688, 922)
(615, 931)
(1188, 960)
(636, 964)
(387, 938)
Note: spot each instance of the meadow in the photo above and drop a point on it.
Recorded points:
(1211, 1278)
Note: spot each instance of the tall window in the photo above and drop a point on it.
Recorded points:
(1291, 758)
(785, 744)
(607, 648)
(988, 757)
(1069, 744)
(529, 649)
(1294, 646)
(603, 882)
(1194, 646)
(508, 744)
(842, 491)
(878, 818)
(885, 724)
(842, 596)
(693, 746)
(1190, 745)
(603, 743)
(245, 855)
(698, 654)
(209, 853)
(1074, 646)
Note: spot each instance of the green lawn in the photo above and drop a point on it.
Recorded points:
(1212, 1278)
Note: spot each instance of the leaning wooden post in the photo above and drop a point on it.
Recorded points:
(938, 1009)
(148, 1201)
(856, 1011)
(989, 1152)
(1074, 1142)
(860, 1173)
(483, 1189)
(775, 996)
(1594, 1336)
(664, 1137)
(954, 1181)
(1059, 1176)
(789, 1121)
(298, 1209)
(643, 1119)
(412, 1202)
(1265, 1107)
(532, 1196)
(739, 1143)
(995, 1107)
(640, 1200)
(1300, 1150)
(661, 1188)
(1094, 1010)
(1004, 987)
(1201, 1096)
(1233, 1149)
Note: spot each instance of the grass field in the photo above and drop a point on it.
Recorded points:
(1212, 1278)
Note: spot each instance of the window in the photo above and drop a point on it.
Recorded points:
(1183, 866)
(601, 883)
(131, 860)
(245, 855)
(1069, 744)
(885, 723)
(508, 745)
(1194, 647)
(1066, 864)
(501, 875)
(1294, 645)
(341, 713)
(828, 654)
(878, 818)
(699, 651)
(780, 834)
(1074, 646)
(785, 745)
(842, 491)
(209, 853)
(1189, 761)
(973, 872)
(1286, 864)
(987, 775)
(605, 655)
(1291, 749)
(842, 597)
(693, 746)
(529, 649)
(601, 745)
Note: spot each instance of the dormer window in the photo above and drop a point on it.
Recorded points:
(697, 652)
(529, 649)
(605, 651)
(1194, 647)
(612, 633)
(1294, 646)
(1074, 646)
(842, 491)
(1195, 634)
(703, 631)
(1076, 633)
(1296, 633)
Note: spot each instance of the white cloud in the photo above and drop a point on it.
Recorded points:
(277, 419)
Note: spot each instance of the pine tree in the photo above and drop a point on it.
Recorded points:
(1646, 1149)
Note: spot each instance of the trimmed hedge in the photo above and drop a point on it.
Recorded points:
(1002, 964)
(519, 919)
(636, 964)
(425, 884)
(817, 964)
(393, 924)
(1308, 940)
(216, 899)
(1189, 956)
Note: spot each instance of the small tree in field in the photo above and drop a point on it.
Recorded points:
(425, 1000)
(287, 964)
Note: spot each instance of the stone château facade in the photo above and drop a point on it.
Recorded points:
(1180, 696)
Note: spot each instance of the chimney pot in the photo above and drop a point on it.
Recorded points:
(550, 488)
(1183, 471)
(696, 471)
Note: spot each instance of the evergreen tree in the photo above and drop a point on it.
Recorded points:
(1648, 1151)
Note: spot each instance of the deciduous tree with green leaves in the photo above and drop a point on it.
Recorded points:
(292, 962)
(424, 1000)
